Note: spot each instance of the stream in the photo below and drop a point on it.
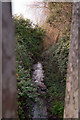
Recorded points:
(39, 108)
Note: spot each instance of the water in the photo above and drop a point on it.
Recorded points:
(40, 111)
(40, 108)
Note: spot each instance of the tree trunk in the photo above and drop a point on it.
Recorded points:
(72, 104)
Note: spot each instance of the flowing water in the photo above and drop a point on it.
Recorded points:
(40, 108)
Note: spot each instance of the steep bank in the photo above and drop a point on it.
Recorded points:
(55, 56)
(55, 62)
(57, 22)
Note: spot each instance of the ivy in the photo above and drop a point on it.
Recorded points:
(29, 42)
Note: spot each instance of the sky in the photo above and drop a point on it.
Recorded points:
(22, 7)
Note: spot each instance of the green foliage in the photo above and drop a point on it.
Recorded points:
(59, 13)
(61, 51)
(27, 92)
(57, 108)
(29, 47)
(55, 61)
(29, 42)
(29, 36)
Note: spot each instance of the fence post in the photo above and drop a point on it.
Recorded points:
(9, 101)
(0, 60)
(72, 104)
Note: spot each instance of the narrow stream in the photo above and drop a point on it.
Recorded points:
(40, 108)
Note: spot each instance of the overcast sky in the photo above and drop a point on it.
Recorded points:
(20, 7)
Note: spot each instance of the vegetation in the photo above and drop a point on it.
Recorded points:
(29, 41)
(29, 50)
(55, 58)
(55, 65)
(60, 14)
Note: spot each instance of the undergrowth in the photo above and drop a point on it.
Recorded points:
(29, 42)
(29, 49)
(55, 65)
(55, 59)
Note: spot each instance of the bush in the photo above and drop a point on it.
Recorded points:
(57, 108)
(29, 42)
(55, 61)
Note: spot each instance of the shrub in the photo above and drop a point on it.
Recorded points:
(29, 42)
(55, 61)
(57, 108)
